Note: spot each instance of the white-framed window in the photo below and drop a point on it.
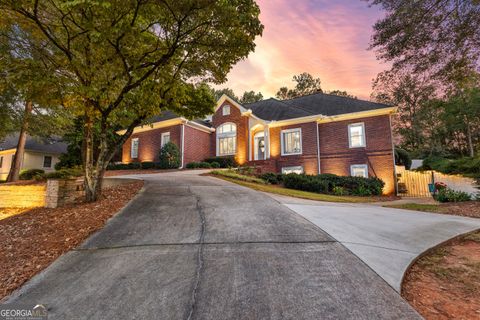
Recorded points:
(47, 161)
(356, 135)
(165, 138)
(295, 169)
(359, 170)
(226, 139)
(291, 140)
(134, 149)
(226, 110)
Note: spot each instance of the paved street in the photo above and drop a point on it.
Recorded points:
(192, 247)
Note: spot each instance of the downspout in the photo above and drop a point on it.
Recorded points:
(183, 145)
(393, 156)
(318, 147)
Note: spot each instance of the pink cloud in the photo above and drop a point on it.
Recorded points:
(327, 39)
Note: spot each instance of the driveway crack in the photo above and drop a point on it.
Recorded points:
(200, 259)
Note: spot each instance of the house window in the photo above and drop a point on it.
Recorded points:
(359, 170)
(47, 161)
(226, 139)
(134, 149)
(291, 141)
(356, 135)
(226, 110)
(296, 169)
(165, 138)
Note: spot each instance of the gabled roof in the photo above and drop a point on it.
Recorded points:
(46, 145)
(168, 115)
(273, 109)
(313, 104)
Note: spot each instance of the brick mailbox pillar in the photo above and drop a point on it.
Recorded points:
(61, 192)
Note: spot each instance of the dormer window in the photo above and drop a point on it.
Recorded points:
(226, 110)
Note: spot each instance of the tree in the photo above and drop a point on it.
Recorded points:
(251, 97)
(439, 36)
(341, 93)
(125, 61)
(409, 93)
(24, 82)
(217, 94)
(305, 84)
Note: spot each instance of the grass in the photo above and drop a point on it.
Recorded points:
(253, 183)
(416, 207)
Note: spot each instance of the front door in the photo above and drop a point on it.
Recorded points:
(259, 145)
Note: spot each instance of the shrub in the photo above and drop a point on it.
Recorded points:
(215, 164)
(65, 173)
(272, 178)
(224, 162)
(333, 184)
(30, 174)
(124, 166)
(192, 165)
(466, 166)
(204, 165)
(147, 165)
(246, 170)
(402, 158)
(449, 195)
(169, 156)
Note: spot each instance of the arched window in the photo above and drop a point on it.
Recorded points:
(226, 139)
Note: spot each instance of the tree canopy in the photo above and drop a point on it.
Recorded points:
(124, 61)
(438, 36)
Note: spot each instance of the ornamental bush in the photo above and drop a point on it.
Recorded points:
(449, 195)
(224, 162)
(272, 178)
(147, 165)
(333, 184)
(31, 174)
(169, 156)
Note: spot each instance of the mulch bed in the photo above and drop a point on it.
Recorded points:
(112, 173)
(445, 284)
(466, 209)
(31, 241)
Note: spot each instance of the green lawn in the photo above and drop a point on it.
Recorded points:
(290, 192)
(416, 206)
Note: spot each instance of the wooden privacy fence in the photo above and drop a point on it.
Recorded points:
(415, 183)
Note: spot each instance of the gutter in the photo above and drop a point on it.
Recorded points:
(318, 148)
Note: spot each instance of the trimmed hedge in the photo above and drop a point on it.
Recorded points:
(124, 166)
(148, 165)
(272, 178)
(195, 165)
(333, 184)
(235, 175)
(30, 174)
(65, 173)
(224, 162)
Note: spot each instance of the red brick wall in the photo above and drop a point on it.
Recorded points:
(149, 143)
(336, 156)
(236, 117)
(197, 145)
(308, 158)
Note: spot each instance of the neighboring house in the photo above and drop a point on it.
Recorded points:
(39, 154)
(317, 133)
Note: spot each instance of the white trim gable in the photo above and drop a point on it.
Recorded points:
(232, 102)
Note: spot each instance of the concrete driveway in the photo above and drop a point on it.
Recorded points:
(387, 240)
(192, 247)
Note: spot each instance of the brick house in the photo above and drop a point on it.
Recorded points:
(317, 133)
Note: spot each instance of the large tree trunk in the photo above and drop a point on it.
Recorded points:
(14, 173)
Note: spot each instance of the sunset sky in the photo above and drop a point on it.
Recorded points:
(328, 39)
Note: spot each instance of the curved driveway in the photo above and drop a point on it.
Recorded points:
(193, 247)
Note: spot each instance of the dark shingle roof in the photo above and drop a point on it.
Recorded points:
(46, 145)
(313, 104)
(273, 109)
(168, 115)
